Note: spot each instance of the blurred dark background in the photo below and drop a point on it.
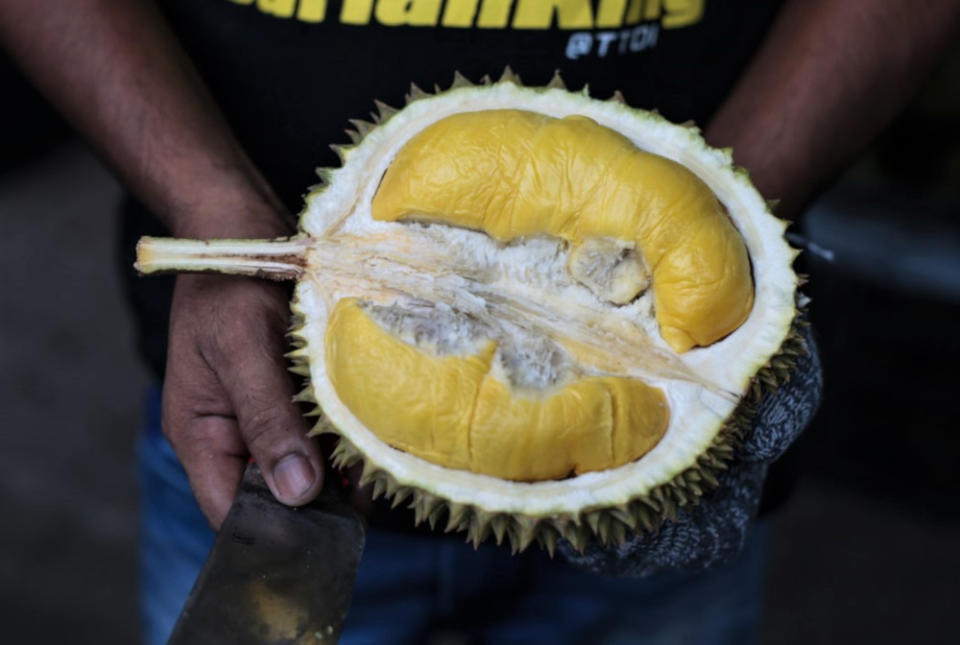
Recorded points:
(867, 550)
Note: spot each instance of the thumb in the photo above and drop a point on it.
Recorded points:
(261, 390)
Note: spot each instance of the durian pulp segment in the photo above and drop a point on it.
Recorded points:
(462, 411)
(513, 173)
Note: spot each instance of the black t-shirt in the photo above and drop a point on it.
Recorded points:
(288, 74)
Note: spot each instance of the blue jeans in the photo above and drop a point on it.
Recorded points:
(409, 586)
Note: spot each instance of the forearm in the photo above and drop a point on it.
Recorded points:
(829, 76)
(116, 72)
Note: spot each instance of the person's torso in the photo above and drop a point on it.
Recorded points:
(288, 74)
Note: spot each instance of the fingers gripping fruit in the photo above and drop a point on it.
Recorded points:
(530, 313)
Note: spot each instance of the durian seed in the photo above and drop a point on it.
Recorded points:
(612, 269)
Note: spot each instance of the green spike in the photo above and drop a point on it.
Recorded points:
(624, 516)
(499, 526)
(644, 518)
(304, 396)
(593, 520)
(695, 489)
(400, 496)
(423, 505)
(324, 174)
(603, 528)
(618, 533)
(527, 531)
(368, 473)
(710, 478)
(670, 510)
(415, 94)
(341, 151)
(385, 110)
(679, 497)
(618, 98)
(363, 127)
(509, 76)
(455, 515)
(556, 82)
(434, 516)
(459, 80)
(379, 488)
(479, 527)
(548, 540)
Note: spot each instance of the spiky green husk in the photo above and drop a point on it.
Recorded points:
(602, 525)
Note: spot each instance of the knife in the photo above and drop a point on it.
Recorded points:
(276, 574)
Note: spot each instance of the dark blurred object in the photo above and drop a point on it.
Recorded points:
(29, 127)
(887, 309)
(921, 149)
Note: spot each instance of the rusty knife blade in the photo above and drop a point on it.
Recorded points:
(275, 574)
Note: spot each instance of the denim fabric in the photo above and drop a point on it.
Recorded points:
(412, 586)
(174, 535)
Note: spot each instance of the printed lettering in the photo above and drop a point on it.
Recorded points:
(579, 44)
(578, 15)
(634, 9)
(652, 9)
(311, 10)
(408, 12)
(610, 13)
(459, 13)
(604, 38)
(538, 14)
(494, 14)
(356, 12)
(644, 37)
(682, 13)
(278, 8)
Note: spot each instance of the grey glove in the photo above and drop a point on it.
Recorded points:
(713, 532)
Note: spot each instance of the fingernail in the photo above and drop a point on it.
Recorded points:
(293, 476)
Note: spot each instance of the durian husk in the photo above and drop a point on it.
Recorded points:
(604, 525)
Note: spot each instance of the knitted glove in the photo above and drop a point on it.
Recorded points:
(712, 533)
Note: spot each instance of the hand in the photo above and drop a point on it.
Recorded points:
(227, 393)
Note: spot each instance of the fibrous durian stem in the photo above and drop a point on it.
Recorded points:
(279, 259)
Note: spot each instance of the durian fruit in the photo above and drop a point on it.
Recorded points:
(530, 314)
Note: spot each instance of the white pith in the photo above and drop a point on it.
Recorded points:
(337, 268)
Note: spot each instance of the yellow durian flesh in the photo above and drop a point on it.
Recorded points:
(514, 173)
(457, 411)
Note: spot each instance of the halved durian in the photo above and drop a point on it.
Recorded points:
(532, 313)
